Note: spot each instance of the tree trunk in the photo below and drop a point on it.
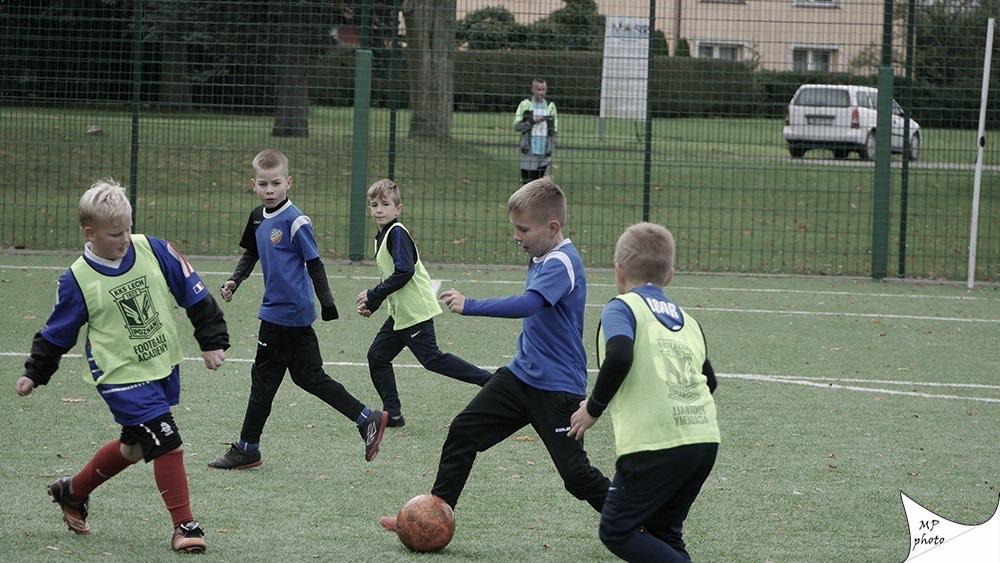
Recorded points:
(175, 84)
(293, 96)
(430, 48)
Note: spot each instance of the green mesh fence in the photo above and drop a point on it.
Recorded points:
(676, 113)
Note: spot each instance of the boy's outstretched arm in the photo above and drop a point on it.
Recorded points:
(404, 265)
(617, 363)
(512, 307)
(210, 331)
(40, 365)
(317, 272)
(243, 270)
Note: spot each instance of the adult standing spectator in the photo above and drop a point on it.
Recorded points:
(535, 120)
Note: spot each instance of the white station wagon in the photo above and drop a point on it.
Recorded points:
(842, 118)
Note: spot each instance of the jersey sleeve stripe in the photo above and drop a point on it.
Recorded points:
(299, 222)
(562, 257)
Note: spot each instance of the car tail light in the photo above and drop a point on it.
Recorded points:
(787, 120)
(855, 119)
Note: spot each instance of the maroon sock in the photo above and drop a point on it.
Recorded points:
(106, 463)
(168, 469)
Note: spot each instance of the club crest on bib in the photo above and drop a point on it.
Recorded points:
(682, 377)
(275, 236)
(136, 307)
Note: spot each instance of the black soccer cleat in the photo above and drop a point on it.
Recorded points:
(237, 458)
(396, 421)
(372, 431)
(74, 511)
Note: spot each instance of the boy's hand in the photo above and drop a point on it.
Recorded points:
(363, 311)
(227, 290)
(362, 298)
(24, 386)
(213, 358)
(330, 313)
(454, 300)
(580, 421)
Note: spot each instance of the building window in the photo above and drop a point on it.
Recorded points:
(722, 51)
(813, 60)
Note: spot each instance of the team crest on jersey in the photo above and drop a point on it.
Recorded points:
(275, 236)
(682, 375)
(136, 307)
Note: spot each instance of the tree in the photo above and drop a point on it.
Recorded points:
(577, 26)
(430, 48)
(491, 28)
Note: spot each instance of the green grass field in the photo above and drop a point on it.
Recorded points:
(835, 395)
(726, 187)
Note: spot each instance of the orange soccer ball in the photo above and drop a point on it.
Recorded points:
(425, 523)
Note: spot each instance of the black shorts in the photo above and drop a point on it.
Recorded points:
(156, 437)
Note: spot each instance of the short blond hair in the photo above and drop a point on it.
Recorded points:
(645, 251)
(541, 200)
(386, 189)
(104, 203)
(269, 159)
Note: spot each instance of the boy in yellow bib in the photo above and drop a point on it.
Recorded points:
(406, 289)
(657, 383)
(123, 289)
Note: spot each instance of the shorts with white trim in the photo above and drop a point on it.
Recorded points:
(156, 437)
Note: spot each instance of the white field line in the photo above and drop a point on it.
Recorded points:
(445, 281)
(789, 379)
(836, 314)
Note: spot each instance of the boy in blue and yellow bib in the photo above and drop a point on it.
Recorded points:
(281, 238)
(123, 289)
(657, 383)
(406, 289)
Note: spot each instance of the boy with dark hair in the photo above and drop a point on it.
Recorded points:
(407, 289)
(123, 289)
(544, 383)
(657, 383)
(280, 236)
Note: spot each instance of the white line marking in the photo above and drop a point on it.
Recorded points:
(833, 314)
(598, 284)
(790, 379)
(755, 377)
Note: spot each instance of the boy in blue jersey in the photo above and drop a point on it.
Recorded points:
(281, 237)
(406, 287)
(545, 382)
(123, 289)
(657, 383)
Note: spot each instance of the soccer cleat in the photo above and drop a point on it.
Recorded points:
(389, 523)
(396, 421)
(188, 538)
(74, 511)
(372, 431)
(237, 458)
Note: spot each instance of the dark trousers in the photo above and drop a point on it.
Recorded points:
(421, 340)
(295, 349)
(529, 175)
(654, 490)
(503, 407)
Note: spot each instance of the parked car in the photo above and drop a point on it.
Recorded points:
(842, 118)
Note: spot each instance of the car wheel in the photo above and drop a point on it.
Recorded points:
(914, 148)
(868, 151)
(796, 151)
(840, 154)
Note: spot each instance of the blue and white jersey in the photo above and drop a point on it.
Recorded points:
(550, 354)
(283, 240)
(70, 311)
(617, 318)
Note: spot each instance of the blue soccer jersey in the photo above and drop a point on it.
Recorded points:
(550, 354)
(70, 312)
(283, 240)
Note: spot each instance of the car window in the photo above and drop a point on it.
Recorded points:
(866, 100)
(823, 97)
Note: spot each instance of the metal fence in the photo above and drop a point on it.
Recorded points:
(673, 112)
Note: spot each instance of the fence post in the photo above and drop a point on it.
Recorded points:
(133, 174)
(359, 153)
(883, 152)
(647, 164)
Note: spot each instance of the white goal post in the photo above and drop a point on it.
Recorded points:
(980, 145)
